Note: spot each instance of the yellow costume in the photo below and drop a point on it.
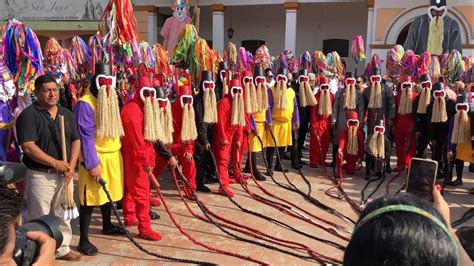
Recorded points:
(464, 151)
(111, 165)
(260, 122)
(282, 122)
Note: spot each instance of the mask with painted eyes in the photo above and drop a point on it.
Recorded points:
(180, 10)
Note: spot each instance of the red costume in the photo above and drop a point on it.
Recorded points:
(344, 154)
(138, 155)
(320, 127)
(179, 147)
(224, 134)
(405, 138)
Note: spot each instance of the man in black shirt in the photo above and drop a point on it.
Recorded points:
(47, 176)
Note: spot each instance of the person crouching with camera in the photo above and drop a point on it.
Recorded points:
(10, 204)
(38, 130)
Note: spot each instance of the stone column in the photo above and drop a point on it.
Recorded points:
(218, 27)
(370, 30)
(290, 26)
(153, 26)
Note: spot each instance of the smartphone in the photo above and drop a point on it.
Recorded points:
(422, 177)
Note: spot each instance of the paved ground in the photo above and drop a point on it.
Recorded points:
(119, 251)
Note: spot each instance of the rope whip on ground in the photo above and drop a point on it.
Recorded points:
(207, 213)
(102, 182)
(309, 198)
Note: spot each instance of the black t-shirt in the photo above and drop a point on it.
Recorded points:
(36, 124)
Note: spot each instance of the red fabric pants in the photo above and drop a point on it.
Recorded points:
(405, 142)
(238, 154)
(320, 136)
(223, 154)
(136, 199)
(188, 168)
(351, 161)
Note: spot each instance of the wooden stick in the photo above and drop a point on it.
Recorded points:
(63, 137)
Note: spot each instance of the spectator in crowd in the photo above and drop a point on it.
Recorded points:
(405, 230)
(47, 175)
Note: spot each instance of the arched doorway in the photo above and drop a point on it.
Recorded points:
(402, 36)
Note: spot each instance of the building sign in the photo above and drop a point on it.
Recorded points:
(52, 9)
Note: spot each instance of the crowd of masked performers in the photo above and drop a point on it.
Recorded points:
(208, 126)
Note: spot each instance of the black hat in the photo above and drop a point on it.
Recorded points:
(268, 72)
(425, 78)
(283, 71)
(222, 66)
(160, 92)
(377, 72)
(259, 71)
(379, 123)
(350, 75)
(438, 3)
(303, 72)
(102, 69)
(438, 86)
(206, 76)
(462, 98)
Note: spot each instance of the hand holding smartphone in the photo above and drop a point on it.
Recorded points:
(422, 177)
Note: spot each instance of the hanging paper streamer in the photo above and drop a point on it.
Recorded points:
(335, 65)
(320, 60)
(358, 51)
(263, 58)
(70, 65)
(374, 64)
(305, 61)
(119, 27)
(53, 56)
(291, 61)
(244, 64)
(423, 64)
(146, 55)
(98, 52)
(408, 62)
(161, 60)
(79, 51)
(22, 54)
(454, 66)
(394, 61)
(204, 56)
(282, 61)
(231, 56)
(184, 46)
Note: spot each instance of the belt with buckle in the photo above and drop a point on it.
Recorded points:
(44, 170)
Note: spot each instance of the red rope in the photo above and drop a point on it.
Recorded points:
(220, 251)
(250, 231)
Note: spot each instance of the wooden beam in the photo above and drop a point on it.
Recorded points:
(291, 5)
(217, 8)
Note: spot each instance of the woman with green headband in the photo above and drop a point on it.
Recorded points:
(405, 230)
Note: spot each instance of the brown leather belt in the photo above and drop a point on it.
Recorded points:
(44, 170)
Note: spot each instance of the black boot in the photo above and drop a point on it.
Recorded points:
(108, 228)
(85, 246)
(270, 152)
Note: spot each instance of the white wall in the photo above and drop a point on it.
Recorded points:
(315, 22)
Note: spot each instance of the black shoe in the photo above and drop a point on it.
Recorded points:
(280, 169)
(87, 248)
(154, 215)
(246, 170)
(203, 188)
(457, 182)
(260, 177)
(388, 169)
(113, 230)
(301, 162)
(211, 179)
(269, 173)
(296, 166)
